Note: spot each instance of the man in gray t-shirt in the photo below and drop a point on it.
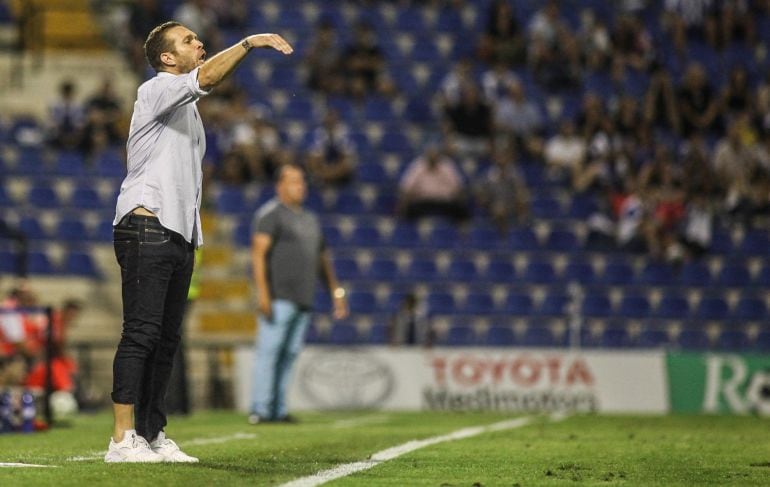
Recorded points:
(288, 254)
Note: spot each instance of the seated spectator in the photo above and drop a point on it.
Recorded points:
(632, 43)
(144, 15)
(496, 82)
(66, 118)
(323, 60)
(432, 186)
(595, 41)
(470, 123)
(502, 191)
(735, 167)
(519, 119)
(698, 103)
(502, 41)
(451, 86)
(565, 152)
(691, 19)
(661, 107)
(554, 52)
(737, 97)
(363, 59)
(332, 157)
(197, 16)
(103, 120)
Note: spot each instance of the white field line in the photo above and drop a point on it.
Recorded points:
(394, 452)
(355, 422)
(193, 442)
(23, 465)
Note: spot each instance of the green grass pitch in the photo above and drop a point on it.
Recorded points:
(580, 450)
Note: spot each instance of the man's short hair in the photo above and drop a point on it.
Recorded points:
(283, 167)
(157, 43)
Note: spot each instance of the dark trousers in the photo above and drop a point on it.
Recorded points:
(155, 266)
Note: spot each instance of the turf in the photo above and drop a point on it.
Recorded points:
(583, 450)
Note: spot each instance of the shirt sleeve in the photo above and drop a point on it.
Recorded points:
(266, 222)
(171, 92)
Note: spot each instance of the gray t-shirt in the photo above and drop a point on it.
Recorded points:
(293, 261)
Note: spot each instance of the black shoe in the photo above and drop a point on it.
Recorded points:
(287, 419)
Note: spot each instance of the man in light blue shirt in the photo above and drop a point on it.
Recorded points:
(157, 228)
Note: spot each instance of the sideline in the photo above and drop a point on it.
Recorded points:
(193, 442)
(23, 465)
(394, 452)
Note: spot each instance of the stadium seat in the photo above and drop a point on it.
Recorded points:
(539, 336)
(343, 334)
(762, 278)
(349, 203)
(562, 241)
(653, 339)
(39, 263)
(500, 336)
(518, 304)
(579, 271)
(86, 198)
(110, 164)
(322, 302)
(32, 229)
(385, 202)
(501, 270)
(733, 341)
(362, 302)
(333, 236)
(582, 206)
(482, 237)
(634, 307)
(546, 208)
(539, 272)
(522, 239)
(312, 335)
(459, 336)
(69, 163)
(711, 308)
(423, 270)
(750, 309)
(756, 242)
(693, 339)
(71, 229)
(762, 341)
(673, 308)
(733, 274)
(554, 304)
(43, 196)
(396, 142)
(462, 271)
(383, 269)
(443, 236)
(695, 273)
(615, 337)
(479, 303)
(346, 268)
(617, 273)
(405, 235)
(371, 172)
(656, 274)
(440, 303)
(365, 236)
(596, 305)
(80, 264)
(230, 199)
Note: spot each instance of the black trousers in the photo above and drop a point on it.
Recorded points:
(155, 265)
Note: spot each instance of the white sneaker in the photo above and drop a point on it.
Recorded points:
(133, 449)
(169, 450)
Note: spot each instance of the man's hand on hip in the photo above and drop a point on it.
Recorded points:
(265, 305)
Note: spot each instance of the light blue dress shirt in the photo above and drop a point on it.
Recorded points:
(166, 143)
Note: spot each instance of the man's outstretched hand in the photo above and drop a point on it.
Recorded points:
(273, 41)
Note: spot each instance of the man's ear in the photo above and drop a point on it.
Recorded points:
(168, 59)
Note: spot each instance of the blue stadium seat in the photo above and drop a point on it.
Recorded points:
(695, 273)
(750, 309)
(734, 274)
(346, 268)
(362, 302)
(242, 234)
(385, 203)
(70, 163)
(365, 236)
(762, 278)
(693, 339)
(673, 307)
(383, 269)
(500, 270)
(733, 341)
(349, 203)
(539, 336)
(762, 341)
(405, 235)
(614, 337)
(553, 304)
(410, 19)
(484, 237)
(479, 303)
(39, 263)
(396, 142)
(546, 208)
(449, 20)
(756, 242)
(634, 307)
(518, 304)
(562, 240)
(579, 271)
(656, 274)
(86, 198)
(459, 335)
(443, 235)
(230, 199)
(43, 196)
(371, 172)
(653, 339)
(32, 229)
(462, 271)
(103, 232)
(378, 109)
(712, 308)
(5, 198)
(440, 303)
(322, 302)
(596, 305)
(418, 110)
(539, 272)
(111, 163)
(378, 334)
(522, 239)
(424, 270)
(617, 273)
(30, 162)
(500, 336)
(312, 335)
(343, 334)
(332, 236)
(80, 264)
(299, 108)
(71, 229)
(582, 206)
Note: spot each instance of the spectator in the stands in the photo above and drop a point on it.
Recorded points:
(565, 151)
(432, 186)
(103, 120)
(595, 41)
(323, 61)
(737, 96)
(554, 51)
(197, 16)
(691, 19)
(451, 86)
(502, 191)
(470, 123)
(592, 116)
(143, 17)
(363, 58)
(518, 118)
(661, 108)
(698, 103)
(496, 82)
(631, 42)
(502, 40)
(735, 166)
(735, 22)
(332, 156)
(66, 116)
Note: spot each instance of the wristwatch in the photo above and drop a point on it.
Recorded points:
(246, 45)
(339, 293)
